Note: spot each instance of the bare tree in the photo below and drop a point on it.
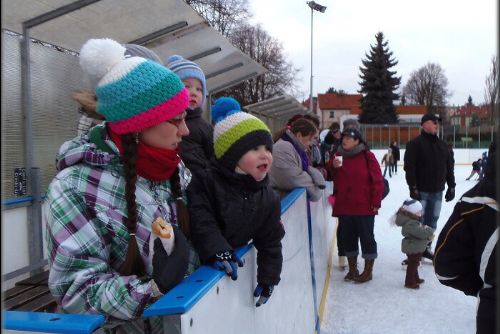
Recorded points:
(261, 47)
(491, 95)
(223, 15)
(427, 86)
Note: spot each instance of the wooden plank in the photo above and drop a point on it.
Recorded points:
(38, 279)
(17, 290)
(45, 303)
(25, 297)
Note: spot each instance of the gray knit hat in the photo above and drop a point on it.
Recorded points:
(351, 123)
(135, 50)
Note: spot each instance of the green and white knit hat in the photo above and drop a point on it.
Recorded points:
(236, 132)
(133, 93)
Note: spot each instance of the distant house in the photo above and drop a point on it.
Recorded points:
(331, 107)
(471, 116)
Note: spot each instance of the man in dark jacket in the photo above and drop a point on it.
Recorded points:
(466, 247)
(396, 155)
(428, 166)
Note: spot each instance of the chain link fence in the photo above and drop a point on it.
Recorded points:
(381, 136)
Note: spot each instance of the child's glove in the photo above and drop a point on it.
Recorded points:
(227, 261)
(331, 200)
(263, 291)
(431, 232)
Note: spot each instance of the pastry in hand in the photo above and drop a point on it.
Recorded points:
(163, 230)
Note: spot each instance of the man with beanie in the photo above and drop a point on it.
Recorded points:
(196, 148)
(231, 202)
(466, 249)
(428, 166)
(351, 123)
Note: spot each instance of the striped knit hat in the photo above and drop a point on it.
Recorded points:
(236, 132)
(133, 93)
(187, 69)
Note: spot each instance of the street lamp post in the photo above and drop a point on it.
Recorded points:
(314, 6)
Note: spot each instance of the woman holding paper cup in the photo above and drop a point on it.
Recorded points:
(358, 195)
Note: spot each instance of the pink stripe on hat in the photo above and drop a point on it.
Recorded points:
(153, 116)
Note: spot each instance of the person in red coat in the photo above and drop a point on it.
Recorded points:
(358, 195)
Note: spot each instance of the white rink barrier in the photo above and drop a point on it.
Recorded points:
(210, 302)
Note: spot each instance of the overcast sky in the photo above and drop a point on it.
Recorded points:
(459, 35)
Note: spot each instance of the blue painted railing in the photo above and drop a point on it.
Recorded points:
(177, 301)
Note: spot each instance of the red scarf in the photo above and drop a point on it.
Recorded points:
(154, 164)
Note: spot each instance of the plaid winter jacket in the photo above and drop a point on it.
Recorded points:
(86, 238)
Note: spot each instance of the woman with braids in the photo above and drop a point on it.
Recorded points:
(112, 184)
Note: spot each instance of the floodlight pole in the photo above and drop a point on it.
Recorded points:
(314, 6)
(311, 83)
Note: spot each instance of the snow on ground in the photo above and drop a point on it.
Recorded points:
(384, 305)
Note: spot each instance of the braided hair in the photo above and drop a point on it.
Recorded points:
(133, 264)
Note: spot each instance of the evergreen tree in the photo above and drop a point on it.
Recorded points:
(379, 85)
(332, 90)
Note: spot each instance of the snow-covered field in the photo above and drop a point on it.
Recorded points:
(384, 305)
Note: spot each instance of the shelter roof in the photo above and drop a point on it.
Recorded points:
(166, 26)
(280, 107)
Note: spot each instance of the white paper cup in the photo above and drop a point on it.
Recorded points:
(340, 159)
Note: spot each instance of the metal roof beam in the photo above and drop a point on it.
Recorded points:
(159, 33)
(266, 102)
(293, 110)
(233, 82)
(205, 53)
(56, 13)
(224, 70)
(277, 104)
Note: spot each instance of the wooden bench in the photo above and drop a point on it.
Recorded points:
(31, 294)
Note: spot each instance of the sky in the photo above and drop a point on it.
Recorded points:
(383, 305)
(460, 36)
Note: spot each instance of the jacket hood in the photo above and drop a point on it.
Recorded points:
(94, 148)
(402, 219)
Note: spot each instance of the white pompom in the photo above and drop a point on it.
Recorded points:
(98, 56)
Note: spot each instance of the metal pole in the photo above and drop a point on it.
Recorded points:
(311, 84)
(466, 132)
(454, 142)
(35, 237)
(479, 136)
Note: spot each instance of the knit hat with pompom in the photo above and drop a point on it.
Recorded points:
(236, 132)
(133, 93)
(412, 206)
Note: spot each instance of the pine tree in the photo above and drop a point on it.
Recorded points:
(379, 85)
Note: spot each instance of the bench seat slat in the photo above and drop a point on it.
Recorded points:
(38, 279)
(26, 297)
(45, 303)
(17, 290)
